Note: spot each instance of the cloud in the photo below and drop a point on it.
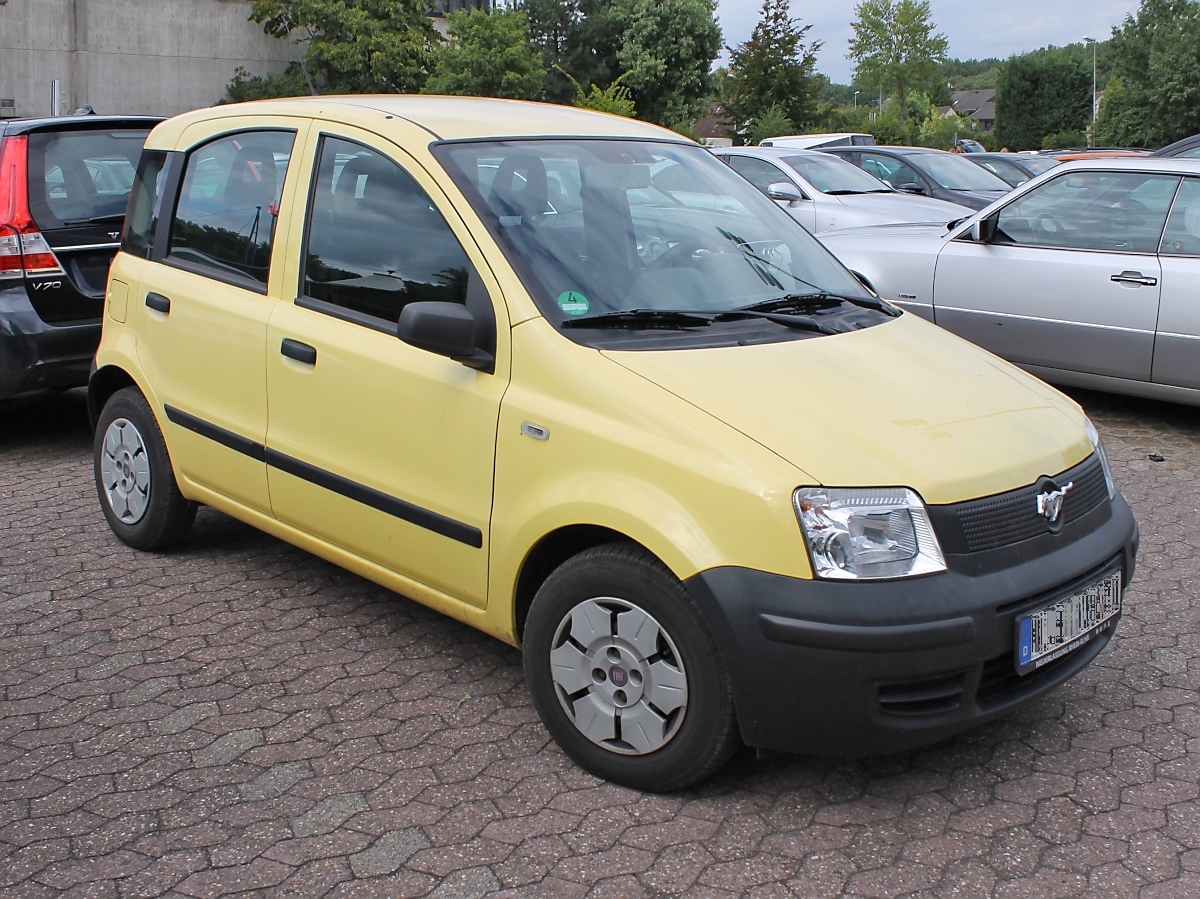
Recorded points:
(975, 30)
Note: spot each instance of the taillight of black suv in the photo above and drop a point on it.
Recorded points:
(64, 185)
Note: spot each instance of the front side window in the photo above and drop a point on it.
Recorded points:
(758, 172)
(1005, 170)
(1091, 210)
(228, 205)
(893, 171)
(1182, 237)
(955, 173)
(639, 228)
(375, 242)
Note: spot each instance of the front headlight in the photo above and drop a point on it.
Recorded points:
(1094, 436)
(864, 533)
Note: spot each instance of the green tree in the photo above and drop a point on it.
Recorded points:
(773, 69)
(1039, 94)
(356, 46)
(244, 86)
(771, 123)
(667, 51)
(550, 24)
(489, 56)
(593, 43)
(941, 131)
(1155, 56)
(894, 44)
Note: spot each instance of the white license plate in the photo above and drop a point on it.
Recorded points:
(1056, 630)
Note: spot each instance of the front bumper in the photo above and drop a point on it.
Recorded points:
(36, 357)
(854, 669)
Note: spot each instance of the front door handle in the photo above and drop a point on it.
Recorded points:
(301, 352)
(158, 303)
(1134, 278)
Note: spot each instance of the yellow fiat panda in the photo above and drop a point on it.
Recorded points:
(568, 378)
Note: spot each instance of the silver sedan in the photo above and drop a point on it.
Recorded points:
(825, 193)
(1088, 275)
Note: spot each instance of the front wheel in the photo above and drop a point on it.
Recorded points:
(134, 479)
(625, 673)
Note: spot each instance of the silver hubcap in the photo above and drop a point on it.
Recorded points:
(125, 471)
(619, 676)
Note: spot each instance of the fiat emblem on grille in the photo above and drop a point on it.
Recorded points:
(1050, 503)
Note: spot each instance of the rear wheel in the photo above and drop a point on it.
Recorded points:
(625, 673)
(134, 479)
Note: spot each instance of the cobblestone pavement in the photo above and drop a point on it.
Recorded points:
(239, 716)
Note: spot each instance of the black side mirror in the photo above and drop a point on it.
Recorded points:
(912, 187)
(984, 230)
(447, 329)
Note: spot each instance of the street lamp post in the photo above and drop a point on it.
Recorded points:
(856, 93)
(1092, 133)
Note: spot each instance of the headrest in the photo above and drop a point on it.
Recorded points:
(253, 180)
(519, 189)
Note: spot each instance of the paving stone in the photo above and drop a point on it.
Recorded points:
(236, 716)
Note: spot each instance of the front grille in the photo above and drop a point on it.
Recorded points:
(1000, 677)
(1007, 518)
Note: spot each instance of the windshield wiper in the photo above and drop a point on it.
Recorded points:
(841, 192)
(96, 219)
(643, 318)
(950, 226)
(814, 301)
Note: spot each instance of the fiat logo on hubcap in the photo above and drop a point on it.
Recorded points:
(618, 676)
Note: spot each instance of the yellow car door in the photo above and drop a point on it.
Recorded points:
(374, 446)
(205, 297)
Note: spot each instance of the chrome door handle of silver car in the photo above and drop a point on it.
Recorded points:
(1134, 278)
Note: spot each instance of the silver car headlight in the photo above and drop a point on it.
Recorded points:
(864, 533)
(1094, 436)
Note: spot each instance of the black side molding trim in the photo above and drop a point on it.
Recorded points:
(431, 521)
(235, 442)
(851, 638)
(398, 508)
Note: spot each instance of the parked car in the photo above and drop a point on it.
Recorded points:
(63, 188)
(714, 488)
(823, 192)
(1014, 168)
(931, 173)
(971, 146)
(816, 141)
(1188, 147)
(1085, 276)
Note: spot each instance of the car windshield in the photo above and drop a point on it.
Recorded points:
(596, 226)
(828, 174)
(955, 173)
(1039, 164)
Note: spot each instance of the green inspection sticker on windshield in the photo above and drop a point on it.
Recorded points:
(573, 303)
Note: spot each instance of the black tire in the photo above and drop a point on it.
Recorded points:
(705, 733)
(158, 515)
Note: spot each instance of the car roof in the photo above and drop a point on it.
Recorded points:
(76, 122)
(770, 152)
(886, 148)
(1170, 164)
(444, 118)
(1186, 144)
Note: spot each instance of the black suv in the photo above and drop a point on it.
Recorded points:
(64, 183)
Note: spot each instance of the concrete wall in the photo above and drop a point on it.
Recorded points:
(157, 57)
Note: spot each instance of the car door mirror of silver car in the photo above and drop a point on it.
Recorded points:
(785, 193)
(984, 230)
(447, 329)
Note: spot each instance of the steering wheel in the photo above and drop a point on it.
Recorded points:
(680, 255)
(1048, 226)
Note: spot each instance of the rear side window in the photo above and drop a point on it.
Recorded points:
(1182, 237)
(375, 241)
(145, 204)
(81, 177)
(228, 205)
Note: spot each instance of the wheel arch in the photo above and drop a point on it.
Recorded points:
(549, 553)
(103, 383)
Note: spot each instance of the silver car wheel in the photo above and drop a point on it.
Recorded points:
(619, 676)
(125, 471)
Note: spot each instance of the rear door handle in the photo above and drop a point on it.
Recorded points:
(301, 352)
(1134, 278)
(158, 303)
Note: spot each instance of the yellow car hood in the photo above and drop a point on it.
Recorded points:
(903, 403)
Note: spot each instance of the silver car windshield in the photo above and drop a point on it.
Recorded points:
(831, 175)
(609, 226)
(955, 173)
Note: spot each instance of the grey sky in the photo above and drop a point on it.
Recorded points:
(974, 29)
